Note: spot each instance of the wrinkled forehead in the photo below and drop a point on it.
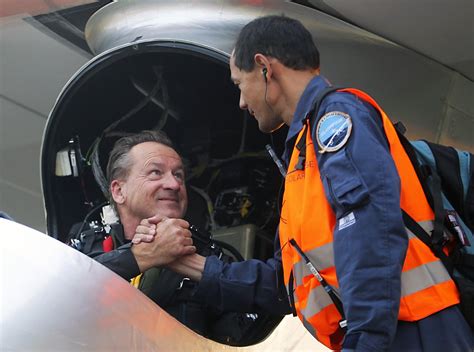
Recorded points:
(152, 152)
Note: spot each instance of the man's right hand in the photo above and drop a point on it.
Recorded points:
(191, 266)
(146, 230)
(171, 240)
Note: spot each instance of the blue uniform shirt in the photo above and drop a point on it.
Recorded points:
(247, 286)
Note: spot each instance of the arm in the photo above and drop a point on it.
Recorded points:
(191, 266)
(121, 261)
(361, 178)
(171, 239)
(246, 286)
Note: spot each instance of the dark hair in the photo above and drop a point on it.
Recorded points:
(119, 162)
(280, 37)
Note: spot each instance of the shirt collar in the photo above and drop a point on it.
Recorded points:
(302, 109)
(305, 104)
(118, 232)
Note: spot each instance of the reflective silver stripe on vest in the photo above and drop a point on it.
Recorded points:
(288, 290)
(413, 281)
(318, 300)
(423, 276)
(426, 225)
(321, 257)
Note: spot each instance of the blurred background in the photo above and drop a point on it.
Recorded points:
(42, 45)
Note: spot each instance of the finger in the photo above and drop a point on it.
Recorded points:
(187, 241)
(187, 234)
(148, 238)
(145, 222)
(142, 238)
(145, 230)
(156, 219)
(179, 222)
(189, 250)
(136, 240)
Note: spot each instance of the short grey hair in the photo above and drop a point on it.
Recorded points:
(119, 164)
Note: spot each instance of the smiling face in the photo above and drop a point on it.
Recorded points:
(255, 96)
(154, 185)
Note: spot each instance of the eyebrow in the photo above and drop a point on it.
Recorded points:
(158, 164)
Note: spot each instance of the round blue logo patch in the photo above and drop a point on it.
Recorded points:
(333, 131)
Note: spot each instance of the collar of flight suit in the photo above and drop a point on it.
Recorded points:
(303, 107)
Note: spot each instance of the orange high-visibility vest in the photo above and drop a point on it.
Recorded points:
(426, 286)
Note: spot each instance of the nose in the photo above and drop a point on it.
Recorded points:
(171, 182)
(242, 103)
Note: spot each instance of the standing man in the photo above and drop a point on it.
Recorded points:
(347, 180)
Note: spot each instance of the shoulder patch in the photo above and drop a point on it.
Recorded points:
(333, 131)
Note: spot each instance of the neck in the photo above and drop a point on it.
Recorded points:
(293, 84)
(129, 224)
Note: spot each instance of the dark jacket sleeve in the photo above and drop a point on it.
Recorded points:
(247, 286)
(363, 188)
(121, 261)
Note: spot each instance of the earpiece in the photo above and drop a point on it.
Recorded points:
(264, 72)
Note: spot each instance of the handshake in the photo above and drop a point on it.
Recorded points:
(160, 241)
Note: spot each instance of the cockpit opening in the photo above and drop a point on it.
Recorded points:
(184, 90)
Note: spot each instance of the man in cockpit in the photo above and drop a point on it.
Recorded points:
(147, 181)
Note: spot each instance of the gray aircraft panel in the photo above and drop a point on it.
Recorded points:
(411, 87)
(54, 298)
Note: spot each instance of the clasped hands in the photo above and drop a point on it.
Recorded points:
(159, 241)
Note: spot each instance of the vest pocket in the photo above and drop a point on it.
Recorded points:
(343, 185)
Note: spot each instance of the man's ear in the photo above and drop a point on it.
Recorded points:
(262, 62)
(117, 190)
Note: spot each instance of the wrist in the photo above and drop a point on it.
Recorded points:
(191, 266)
(144, 260)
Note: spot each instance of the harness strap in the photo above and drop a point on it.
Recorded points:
(437, 239)
(88, 238)
(421, 172)
(301, 146)
(437, 249)
(463, 259)
(311, 116)
(291, 293)
(469, 203)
